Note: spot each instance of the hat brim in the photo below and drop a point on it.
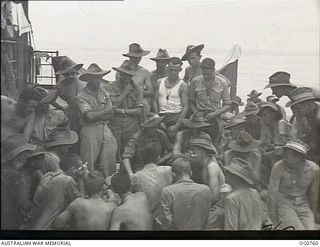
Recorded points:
(255, 95)
(34, 154)
(291, 103)
(295, 149)
(211, 149)
(239, 174)
(228, 126)
(192, 50)
(279, 85)
(153, 122)
(247, 113)
(237, 103)
(119, 69)
(75, 68)
(50, 97)
(193, 125)
(136, 54)
(72, 140)
(89, 75)
(10, 155)
(279, 114)
(160, 59)
(234, 145)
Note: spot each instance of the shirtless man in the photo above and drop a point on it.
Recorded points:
(201, 151)
(134, 213)
(93, 213)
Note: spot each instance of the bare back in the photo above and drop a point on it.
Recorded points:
(92, 214)
(133, 214)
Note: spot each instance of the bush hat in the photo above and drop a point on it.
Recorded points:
(197, 120)
(135, 50)
(67, 65)
(203, 140)
(250, 109)
(272, 98)
(14, 145)
(233, 122)
(272, 106)
(125, 67)
(161, 55)
(93, 71)
(280, 78)
(301, 94)
(242, 169)
(191, 49)
(61, 136)
(244, 143)
(298, 146)
(152, 121)
(237, 100)
(254, 93)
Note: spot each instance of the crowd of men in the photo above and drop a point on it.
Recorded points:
(155, 151)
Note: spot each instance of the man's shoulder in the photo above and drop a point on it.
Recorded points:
(238, 194)
(83, 92)
(222, 80)
(143, 71)
(312, 165)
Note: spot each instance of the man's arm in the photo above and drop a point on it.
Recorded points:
(128, 153)
(231, 217)
(185, 103)
(191, 95)
(214, 170)
(118, 101)
(156, 98)
(148, 92)
(29, 126)
(313, 192)
(116, 220)
(165, 216)
(273, 191)
(61, 222)
(178, 144)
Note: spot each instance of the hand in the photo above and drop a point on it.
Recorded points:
(211, 116)
(172, 130)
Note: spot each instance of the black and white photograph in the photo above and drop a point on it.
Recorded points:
(153, 118)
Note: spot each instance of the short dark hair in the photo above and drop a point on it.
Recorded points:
(208, 63)
(175, 61)
(121, 183)
(69, 160)
(181, 166)
(150, 154)
(93, 183)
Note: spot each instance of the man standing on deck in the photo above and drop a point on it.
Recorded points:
(193, 56)
(171, 98)
(97, 142)
(162, 60)
(142, 76)
(206, 93)
(127, 101)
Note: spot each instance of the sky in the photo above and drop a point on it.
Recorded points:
(281, 26)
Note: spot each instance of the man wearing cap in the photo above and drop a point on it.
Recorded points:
(98, 145)
(234, 126)
(243, 206)
(185, 204)
(253, 123)
(246, 148)
(206, 92)
(294, 188)
(141, 76)
(92, 213)
(127, 101)
(202, 154)
(14, 153)
(307, 111)
(193, 56)
(162, 59)
(151, 179)
(149, 136)
(171, 98)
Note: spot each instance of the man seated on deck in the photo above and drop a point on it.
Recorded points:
(134, 213)
(185, 204)
(152, 178)
(93, 213)
(171, 98)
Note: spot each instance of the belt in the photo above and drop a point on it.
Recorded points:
(294, 198)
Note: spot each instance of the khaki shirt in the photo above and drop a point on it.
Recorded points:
(209, 98)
